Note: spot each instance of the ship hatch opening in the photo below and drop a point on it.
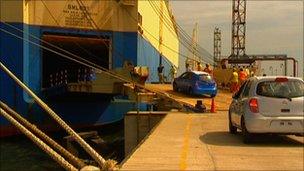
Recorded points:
(56, 69)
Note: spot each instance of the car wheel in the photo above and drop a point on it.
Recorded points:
(247, 137)
(175, 87)
(212, 95)
(232, 129)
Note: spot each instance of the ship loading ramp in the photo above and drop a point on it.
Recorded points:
(69, 79)
(222, 99)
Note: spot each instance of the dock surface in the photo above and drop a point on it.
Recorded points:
(202, 142)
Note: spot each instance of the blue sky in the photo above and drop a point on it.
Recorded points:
(273, 27)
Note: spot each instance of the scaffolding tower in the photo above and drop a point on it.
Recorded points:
(217, 51)
(238, 50)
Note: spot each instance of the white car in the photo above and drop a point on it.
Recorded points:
(268, 105)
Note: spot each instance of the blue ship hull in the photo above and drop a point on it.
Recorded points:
(25, 61)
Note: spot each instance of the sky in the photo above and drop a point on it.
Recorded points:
(273, 27)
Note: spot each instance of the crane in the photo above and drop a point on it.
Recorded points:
(238, 35)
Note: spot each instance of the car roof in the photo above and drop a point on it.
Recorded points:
(200, 72)
(270, 78)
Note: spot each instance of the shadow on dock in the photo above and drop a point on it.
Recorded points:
(226, 139)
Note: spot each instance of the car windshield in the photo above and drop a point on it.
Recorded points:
(205, 77)
(288, 89)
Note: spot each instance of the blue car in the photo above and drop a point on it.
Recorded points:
(195, 83)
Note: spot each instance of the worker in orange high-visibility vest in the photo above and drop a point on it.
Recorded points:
(242, 76)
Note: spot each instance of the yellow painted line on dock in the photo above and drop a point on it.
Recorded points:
(185, 149)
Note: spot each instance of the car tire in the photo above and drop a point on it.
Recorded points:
(175, 87)
(212, 95)
(232, 129)
(247, 137)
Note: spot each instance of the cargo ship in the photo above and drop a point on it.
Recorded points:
(45, 43)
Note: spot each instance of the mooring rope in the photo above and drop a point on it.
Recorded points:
(54, 155)
(99, 159)
(76, 161)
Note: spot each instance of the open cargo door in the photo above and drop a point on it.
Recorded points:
(95, 50)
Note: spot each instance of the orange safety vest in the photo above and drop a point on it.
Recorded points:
(242, 75)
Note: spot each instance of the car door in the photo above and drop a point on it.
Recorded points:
(188, 81)
(185, 81)
(244, 97)
(180, 80)
(235, 104)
